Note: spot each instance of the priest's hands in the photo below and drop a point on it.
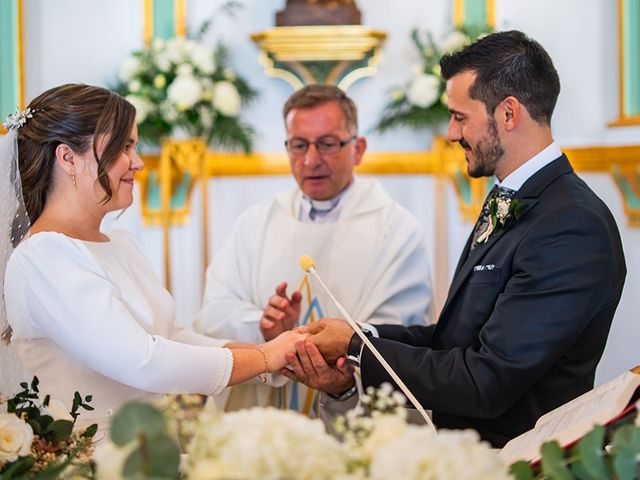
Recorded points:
(309, 367)
(281, 313)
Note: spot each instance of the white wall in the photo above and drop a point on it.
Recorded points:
(86, 40)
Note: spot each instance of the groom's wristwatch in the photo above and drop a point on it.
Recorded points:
(354, 350)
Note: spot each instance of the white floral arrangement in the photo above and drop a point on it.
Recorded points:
(383, 445)
(264, 443)
(181, 87)
(373, 442)
(422, 102)
(40, 439)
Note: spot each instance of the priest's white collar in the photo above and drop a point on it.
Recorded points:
(322, 211)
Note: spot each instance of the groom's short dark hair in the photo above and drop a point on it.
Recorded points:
(508, 64)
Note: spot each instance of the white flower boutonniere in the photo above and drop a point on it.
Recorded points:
(502, 213)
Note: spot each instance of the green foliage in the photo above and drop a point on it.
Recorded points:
(134, 420)
(157, 458)
(155, 454)
(180, 87)
(54, 436)
(588, 459)
(625, 448)
(412, 106)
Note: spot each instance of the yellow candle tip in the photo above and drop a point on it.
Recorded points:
(307, 263)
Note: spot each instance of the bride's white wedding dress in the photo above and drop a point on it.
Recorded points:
(93, 317)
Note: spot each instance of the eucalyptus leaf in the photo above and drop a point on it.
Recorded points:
(591, 456)
(58, 430)
(625, 447)
(134, 419)
(553, 462)
(159, 458)
(90, 431)
(521, 471)
(35, 426)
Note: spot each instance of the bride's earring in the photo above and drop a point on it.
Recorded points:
(73, 177)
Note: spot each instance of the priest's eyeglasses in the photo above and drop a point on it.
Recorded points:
(327, 145)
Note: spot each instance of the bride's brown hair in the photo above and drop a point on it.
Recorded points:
(75, 115)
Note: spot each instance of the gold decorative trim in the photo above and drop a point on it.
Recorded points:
(444, 159)
(433, 162)
(491, 14)
(625, 121)
(180, 9)
(147, 27)
(458, 13)
(319, 43)
(20, 55)
(289, 52)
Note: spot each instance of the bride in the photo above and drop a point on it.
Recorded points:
(85, 311)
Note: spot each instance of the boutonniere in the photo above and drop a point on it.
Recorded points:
(503, 212)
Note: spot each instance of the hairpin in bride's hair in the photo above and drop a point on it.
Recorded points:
(15, 120)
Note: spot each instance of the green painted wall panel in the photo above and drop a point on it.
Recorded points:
(475, 12)
(631, 19)
(163, 19)
(8, 57)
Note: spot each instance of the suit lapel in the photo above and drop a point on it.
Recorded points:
(528, 193)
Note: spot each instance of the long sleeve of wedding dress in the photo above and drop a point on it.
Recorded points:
(94, 317)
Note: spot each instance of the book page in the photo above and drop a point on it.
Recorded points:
(573, 419)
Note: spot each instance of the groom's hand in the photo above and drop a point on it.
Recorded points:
(309, 367)
(331, 336)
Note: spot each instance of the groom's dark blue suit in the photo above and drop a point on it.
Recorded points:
(526, 319)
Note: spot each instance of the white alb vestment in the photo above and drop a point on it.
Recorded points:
(373, 259)
(94, 317)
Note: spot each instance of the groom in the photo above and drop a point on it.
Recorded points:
(538, 282)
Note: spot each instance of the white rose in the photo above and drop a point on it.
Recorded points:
(162, 62)
(135, 86)
(424, 90)
(502, 210)
(110, 459)
(203, 59)
(16, 436)
(158, 44)
(226, 99)
(58, 410)
(176, 49)
(129, 68)
(189, 46)
(169, 112)
(184, 69)
(184, 92)
(143, 107)
(454, 41)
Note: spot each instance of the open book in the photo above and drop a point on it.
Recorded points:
(571, 421)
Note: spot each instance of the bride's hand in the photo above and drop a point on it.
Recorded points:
(276, 349)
